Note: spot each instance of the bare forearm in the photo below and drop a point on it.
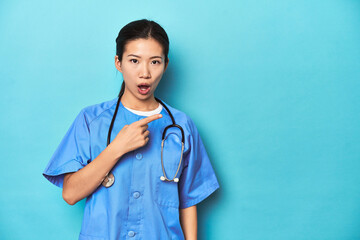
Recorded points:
(188, 220)
(80, 184)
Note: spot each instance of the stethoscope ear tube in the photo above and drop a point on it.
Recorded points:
(176, 126)
(109, 178)
(113, 120)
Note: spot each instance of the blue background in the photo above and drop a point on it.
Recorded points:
(273, 87)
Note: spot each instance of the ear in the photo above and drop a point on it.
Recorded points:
(166, 65)
(118, 63)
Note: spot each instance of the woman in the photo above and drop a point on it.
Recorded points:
(112, 155)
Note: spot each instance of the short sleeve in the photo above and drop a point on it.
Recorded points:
(73, 152)
(198, 179)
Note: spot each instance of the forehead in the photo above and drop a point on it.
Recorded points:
(144, 47)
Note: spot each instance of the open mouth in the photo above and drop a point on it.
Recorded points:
(144, 88)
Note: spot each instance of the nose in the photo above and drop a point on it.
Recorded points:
(145, 72)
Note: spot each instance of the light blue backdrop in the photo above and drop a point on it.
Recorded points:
(273, 86)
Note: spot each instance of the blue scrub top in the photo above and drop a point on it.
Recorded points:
(138, 205)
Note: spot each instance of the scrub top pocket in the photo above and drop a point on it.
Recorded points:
(166, 193)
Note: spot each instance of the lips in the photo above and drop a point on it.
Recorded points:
(143, 88)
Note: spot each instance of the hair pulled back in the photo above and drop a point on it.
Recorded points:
(141, 29)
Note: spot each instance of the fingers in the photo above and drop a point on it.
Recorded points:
(144, 128)
(146, 133)
(149, 119)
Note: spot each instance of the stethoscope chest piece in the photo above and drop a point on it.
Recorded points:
(108, 180)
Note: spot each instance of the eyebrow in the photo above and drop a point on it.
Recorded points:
(133, 55)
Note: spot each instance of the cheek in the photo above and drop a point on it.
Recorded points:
(157, 78)
(129, 76)
(158, 73)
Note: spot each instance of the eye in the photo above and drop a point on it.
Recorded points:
(134, 60)
(155, 62)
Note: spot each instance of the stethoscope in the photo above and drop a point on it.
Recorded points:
(110, 179)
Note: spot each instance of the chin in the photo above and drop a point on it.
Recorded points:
(145, 97)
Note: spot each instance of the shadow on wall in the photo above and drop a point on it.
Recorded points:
(204, 210)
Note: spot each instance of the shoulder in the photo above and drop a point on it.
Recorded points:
(92, 112)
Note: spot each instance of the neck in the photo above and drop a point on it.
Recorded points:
(130, 101)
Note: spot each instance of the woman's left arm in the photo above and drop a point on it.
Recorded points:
(188, 221)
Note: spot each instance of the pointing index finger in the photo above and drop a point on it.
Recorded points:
(149, 119)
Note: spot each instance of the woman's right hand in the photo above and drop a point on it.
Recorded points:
(132, 136)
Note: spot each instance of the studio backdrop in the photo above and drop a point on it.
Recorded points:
(273, 87)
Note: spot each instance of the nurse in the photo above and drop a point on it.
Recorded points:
(138, 205)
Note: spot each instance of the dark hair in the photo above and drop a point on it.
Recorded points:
(141, 29)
